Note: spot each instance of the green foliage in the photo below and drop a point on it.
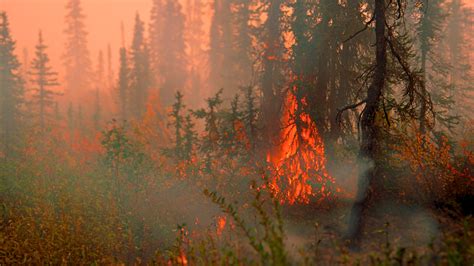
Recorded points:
(124, 159)
(177, 122)
(250, 116)
(212, 120)
(189, 138)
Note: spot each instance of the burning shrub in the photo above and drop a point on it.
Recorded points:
(440, 174)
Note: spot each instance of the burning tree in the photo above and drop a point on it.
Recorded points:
(299, 160)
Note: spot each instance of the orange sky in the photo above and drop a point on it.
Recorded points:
(103, 18)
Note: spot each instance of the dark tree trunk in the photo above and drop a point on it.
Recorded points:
(423, 108)
(368, 145)
(272, 99)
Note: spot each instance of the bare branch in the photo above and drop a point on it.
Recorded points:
(349, 107)
(362, 30)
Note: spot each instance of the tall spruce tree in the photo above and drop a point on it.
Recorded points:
(140, 80)
(369, 128)
(177, 122)
(272, 73)
(221, 74)
(110, 72)
(197, 57)
(354, 54)
(459, 42)
(157, 38)
(123, 85)
(242, 41)
(100, 85)
(97, 114)
(174, 57)
(11, 91)
(76, 57)
(100, 80)
(43, 79)
(433, 64)
(392, 73)
(168, 48)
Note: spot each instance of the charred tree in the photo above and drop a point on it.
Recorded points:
(272, 75)
(369, 129)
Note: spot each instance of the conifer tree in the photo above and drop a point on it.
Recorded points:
(100, 84)
(433, 65)
(156, 37)
(212, 136)
(392, 71)
(173, 67)
(76, 57)
(369, 128)
(123, 85)
(220, 50)
(459, 42)
(70, 118)
(97, 115)
(189, 138)
(242, 41)
(100, 71)
(11, 91)
(168, 48)
(250, 116)
(352, 59)
(234, 118)
(197, 57)
(43, 79)
(25, 67)
(140, 70)
(270, 37)
(178, 125)
(110, 73)
(314, 58)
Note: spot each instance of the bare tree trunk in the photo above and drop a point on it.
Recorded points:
(368, 145)
(423, 109)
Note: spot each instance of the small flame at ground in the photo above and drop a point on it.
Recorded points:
(220, 224)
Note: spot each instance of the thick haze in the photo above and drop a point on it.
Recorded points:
(103, 18)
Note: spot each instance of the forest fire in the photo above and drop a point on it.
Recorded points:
(212, 132)
(299, 160)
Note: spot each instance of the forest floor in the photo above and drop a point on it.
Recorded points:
(322, 230)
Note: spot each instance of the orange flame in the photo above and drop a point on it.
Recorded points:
(298, 161)
(220, 224)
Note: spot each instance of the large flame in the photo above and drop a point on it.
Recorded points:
(298, 160)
